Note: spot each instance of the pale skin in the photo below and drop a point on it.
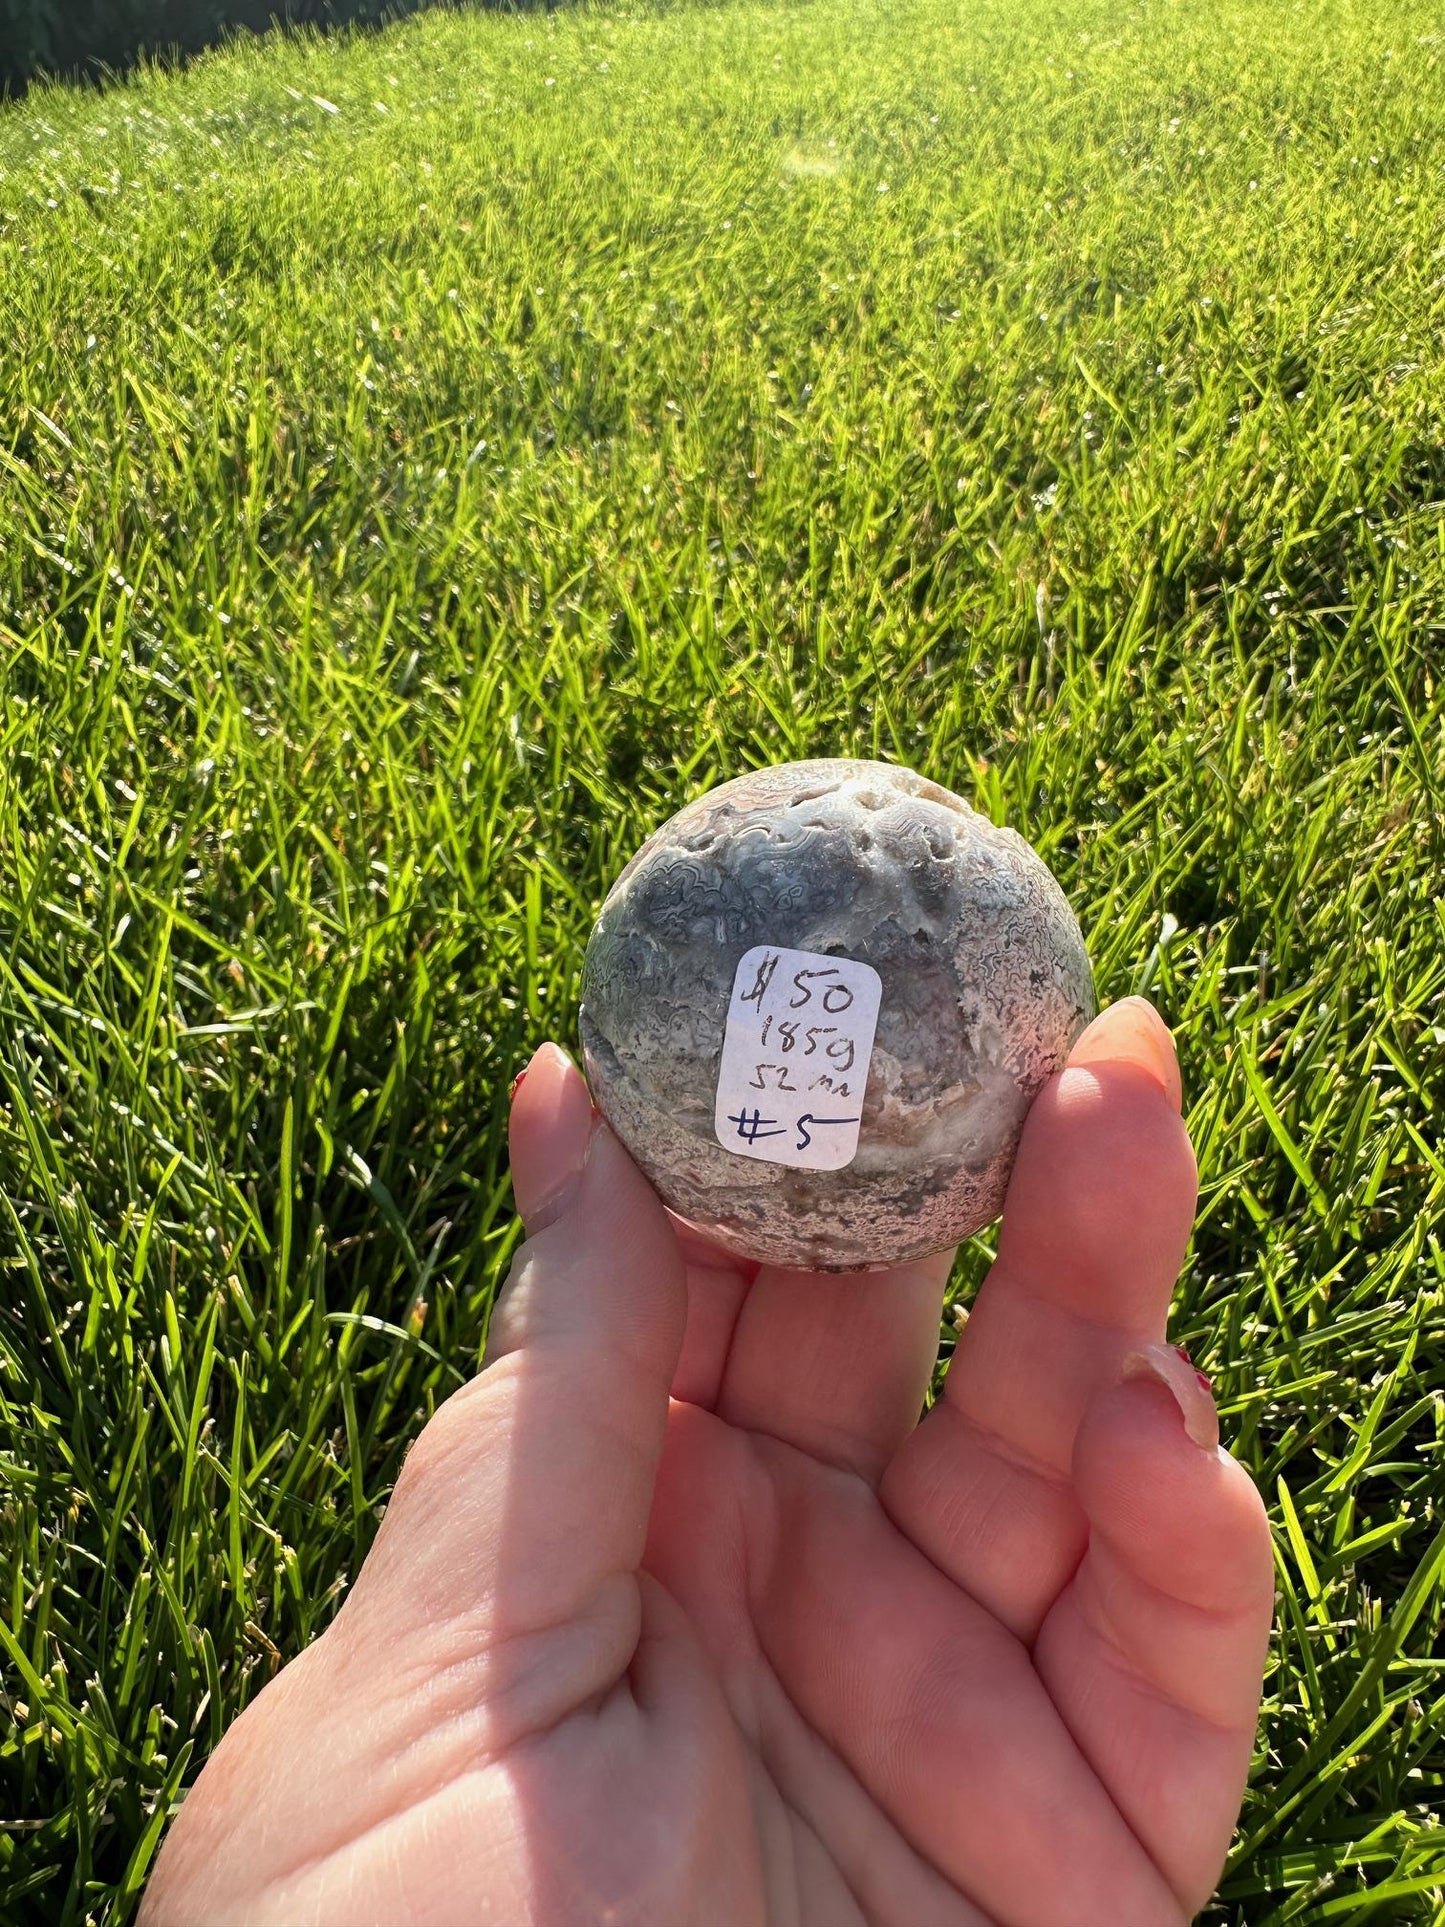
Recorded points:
(679, 1615)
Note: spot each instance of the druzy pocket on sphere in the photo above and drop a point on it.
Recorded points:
(817, 1006)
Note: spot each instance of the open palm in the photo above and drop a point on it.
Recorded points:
(769, 1650)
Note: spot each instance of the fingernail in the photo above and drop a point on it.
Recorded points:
(1132, 1028)
(1204, 1379)
(571, 1133)
(556, 1050)
(560, 1201)
(1169, 1366)
(521, 1078)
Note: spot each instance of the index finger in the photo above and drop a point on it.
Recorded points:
(833, 1363)
(836, 1363)
(717, 1283)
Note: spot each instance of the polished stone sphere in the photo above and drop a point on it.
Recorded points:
(985, 984)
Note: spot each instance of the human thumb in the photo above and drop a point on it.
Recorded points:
(531, 1487)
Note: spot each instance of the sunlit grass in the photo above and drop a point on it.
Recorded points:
(427, 460)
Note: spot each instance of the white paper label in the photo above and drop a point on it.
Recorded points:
(795, 1057)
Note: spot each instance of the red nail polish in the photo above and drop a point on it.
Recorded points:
(1204, 1379)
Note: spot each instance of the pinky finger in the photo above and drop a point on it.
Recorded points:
(1154, 1653)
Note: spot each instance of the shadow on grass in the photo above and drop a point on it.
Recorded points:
(97, 41)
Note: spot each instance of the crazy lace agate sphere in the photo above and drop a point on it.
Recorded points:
(982, 985)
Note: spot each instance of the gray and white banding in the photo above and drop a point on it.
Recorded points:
(986, 985)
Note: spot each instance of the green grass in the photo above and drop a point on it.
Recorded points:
(425, 461)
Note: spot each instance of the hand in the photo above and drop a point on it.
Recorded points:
(772, 1651)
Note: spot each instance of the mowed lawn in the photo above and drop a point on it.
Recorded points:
(428, 459)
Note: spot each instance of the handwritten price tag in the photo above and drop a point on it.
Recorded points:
(795, 1058)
